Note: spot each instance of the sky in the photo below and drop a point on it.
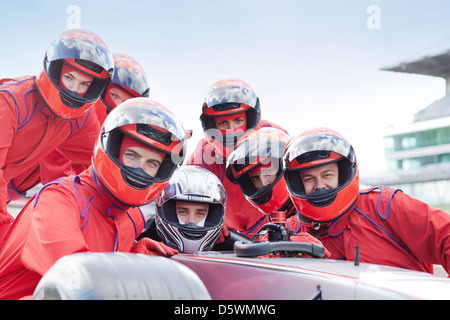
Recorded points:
(312, 63)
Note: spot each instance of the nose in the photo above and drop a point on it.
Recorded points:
(188, 218)
(320, 184)
(233, 125)
(265, 180)
(72, 86)
(75, 86)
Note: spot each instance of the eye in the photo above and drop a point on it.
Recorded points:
(131, 155)
(182, 212)
(153, 164)
(307, 179)
(328, 175)
(221, 124)
(239, 120)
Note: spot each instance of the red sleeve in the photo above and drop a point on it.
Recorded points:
(8, 127)
(54, 230)
(55, 165)
(201, 155)
(424, 230)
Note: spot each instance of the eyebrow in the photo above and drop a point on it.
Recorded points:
(178, 207)
(320, 172)
(157, 161)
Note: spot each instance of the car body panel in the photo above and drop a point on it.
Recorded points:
(227, 276)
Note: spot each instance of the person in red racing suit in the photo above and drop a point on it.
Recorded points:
(230, 100)
(52, 110)
(97, 211)
(389, 227)
(129, 81)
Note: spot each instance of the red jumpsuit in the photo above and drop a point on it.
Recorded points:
(390, 228)
(29, 132)
(240, 215)
(72, 214)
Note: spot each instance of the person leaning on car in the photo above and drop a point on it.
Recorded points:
(138, 149)
(230, 109)
(389, 227)
(51, 112)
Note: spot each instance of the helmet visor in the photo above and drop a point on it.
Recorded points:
(253, 152)
(132, 79)
(81, 49)
(152, 116)
(309, 150)
(197, 188)
(224, 98)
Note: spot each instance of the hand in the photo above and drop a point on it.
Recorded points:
(225, 233)
(153, 248)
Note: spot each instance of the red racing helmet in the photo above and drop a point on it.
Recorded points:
(150, 123)
(85, 52)
(129, 76)
(256, 149)
(226, 98)
(314, 148)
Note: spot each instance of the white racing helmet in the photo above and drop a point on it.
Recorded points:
(192, 184)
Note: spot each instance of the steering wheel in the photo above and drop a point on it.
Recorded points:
(283, 248)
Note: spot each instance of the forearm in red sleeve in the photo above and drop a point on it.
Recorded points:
(425, 230)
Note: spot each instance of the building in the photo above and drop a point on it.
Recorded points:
(418, 154)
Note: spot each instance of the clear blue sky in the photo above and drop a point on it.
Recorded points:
(313, 63)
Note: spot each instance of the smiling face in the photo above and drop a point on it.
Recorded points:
(321, 177)
(194, 212)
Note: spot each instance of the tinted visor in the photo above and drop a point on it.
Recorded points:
(132, 79)
(230, 95)
(147, 115)
(81, 49)
(315, 147)
(253, 151)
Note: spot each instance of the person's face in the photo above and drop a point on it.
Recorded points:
(146, 159)
(76, 81)
(118, 96)
(322, 177)
(263, 178)
(230, 124)
(194, 212)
